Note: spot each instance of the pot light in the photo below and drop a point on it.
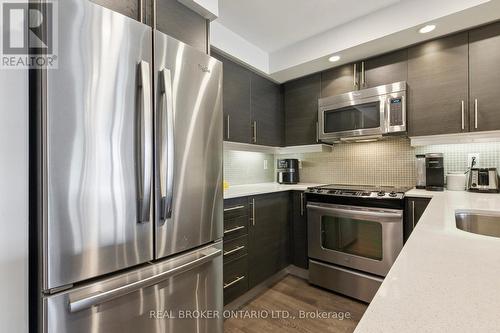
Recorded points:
(427, 28)
(334, 58)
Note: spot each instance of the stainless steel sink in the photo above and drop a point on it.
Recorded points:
(478, 222)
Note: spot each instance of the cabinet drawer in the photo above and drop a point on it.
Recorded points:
(235, 248)
(236, 207)
(235, 278)
(235, 227)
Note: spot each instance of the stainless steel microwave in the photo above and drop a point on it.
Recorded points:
(363, 113)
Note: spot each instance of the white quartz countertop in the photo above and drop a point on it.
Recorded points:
(262, 188)
(445, 279)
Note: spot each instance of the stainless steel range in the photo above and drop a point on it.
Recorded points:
(355, 234)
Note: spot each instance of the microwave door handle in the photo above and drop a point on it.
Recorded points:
(166, 146)
(144, 142)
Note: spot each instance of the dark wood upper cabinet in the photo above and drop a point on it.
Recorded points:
(301, 110)
(385, 69)
(267, 112)
(339, 80)
(438, 86)
(484, 63)
(236, 101)
(180, 22)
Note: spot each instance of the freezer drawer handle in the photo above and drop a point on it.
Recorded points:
(233, 208)
(234, 229)
(237, 249)
(99, 298)
(166, 131)
(144, 142)
(238, 279)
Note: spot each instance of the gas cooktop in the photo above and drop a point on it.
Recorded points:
(361, 191)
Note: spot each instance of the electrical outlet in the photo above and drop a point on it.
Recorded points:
(265, 164)
(469, 159)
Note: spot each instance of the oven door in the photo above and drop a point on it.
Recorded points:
(353, 118)
(362, 238)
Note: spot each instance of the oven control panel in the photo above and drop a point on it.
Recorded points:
(356, 193)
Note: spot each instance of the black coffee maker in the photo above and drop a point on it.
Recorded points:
(288, 171)
(434, 172)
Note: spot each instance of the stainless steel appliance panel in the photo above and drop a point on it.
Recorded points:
(145, 300)
(98, 146)
(188, 147)
(348, 282)
(351, 243)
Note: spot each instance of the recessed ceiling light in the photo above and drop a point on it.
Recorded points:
(334, 58)
(427, 28)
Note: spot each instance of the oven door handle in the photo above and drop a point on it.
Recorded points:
(358, 213)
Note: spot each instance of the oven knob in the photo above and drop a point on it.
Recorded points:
(393, 194)
(381, 193)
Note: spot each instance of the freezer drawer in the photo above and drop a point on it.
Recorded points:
(150, 300)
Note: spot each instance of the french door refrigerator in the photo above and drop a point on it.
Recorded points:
(130, 180)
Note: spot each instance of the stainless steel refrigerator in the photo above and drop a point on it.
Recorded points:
(130, 179)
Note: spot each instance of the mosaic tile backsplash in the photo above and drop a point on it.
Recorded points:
(387, 162)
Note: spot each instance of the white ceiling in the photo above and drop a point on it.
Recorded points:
(273, 24)
(286, 39)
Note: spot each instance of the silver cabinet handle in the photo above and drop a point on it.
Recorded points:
(302, 204)
(239, 248)
(355, 76)
(233, 208)
(106, 296)
(227, 121)
(141, 11)
(254, 138)
(317, 131)
(253, 212)
(166, 145)
(238, 279)
(413, 213)
(145, 144)
(363, 77)
(463, 115)
(475, 113)
(228, 231)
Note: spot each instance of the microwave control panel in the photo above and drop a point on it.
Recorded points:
(396, 111)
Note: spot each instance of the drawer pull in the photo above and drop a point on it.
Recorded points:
(238, 279)
(233, 208)
(234, 229)
(239, 248)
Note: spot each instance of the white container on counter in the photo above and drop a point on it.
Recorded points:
(455, 181)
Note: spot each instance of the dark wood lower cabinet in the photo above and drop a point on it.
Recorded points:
(299, 230)
(269, 236)
(414, 208)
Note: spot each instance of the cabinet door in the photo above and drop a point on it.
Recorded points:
(299, 230)
(268, 236)
(180, 22)
(438, 86)
(236, 101)
(414, 209)
(301, 110)
(339, 80)
(484, 62)
(267, 111)
(385, 69)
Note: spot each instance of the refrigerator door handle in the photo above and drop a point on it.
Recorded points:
(103, 297)
(144, 142)
(167, 146)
